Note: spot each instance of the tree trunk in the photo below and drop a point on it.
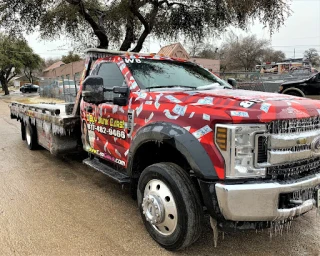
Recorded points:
(141, 40)
(4, 86)
(148, 24)
(129, 38)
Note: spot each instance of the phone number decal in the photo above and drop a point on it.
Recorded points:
(110, 131)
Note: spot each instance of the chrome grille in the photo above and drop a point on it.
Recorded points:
(304, 167)
(262, 156)
(294, 125)
(294, 149)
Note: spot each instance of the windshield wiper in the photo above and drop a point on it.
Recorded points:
(171, 86)
(210, 86)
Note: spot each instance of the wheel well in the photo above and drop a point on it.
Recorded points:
(153, 152)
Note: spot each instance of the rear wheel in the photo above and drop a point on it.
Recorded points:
(23, 130)
(31, 136)
(169, 205)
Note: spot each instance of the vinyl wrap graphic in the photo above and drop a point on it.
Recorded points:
(196, 111)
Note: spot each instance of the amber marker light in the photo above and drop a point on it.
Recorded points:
(221, 138)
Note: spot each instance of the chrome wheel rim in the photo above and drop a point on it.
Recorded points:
(159, 207)
(28, 136)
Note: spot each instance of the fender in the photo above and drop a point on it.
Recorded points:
(178, 138)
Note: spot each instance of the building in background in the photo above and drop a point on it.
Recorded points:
(174, 51)
(61, 70)
(177, 51)
(212, 65)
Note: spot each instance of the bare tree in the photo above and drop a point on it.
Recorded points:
(242, 53)
(194, 47)
(313, 56)
(271, 55)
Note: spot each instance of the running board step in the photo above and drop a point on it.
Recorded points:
(109, 171)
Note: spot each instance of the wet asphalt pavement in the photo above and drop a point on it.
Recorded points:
(57, 206)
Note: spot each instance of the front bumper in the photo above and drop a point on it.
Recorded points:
(260, 202)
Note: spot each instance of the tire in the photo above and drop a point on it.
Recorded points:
(23, 130)
(294, 92)
(166, 189)
(31, 136)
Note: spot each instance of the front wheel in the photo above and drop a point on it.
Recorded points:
(170, 206)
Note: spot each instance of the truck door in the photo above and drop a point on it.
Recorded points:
(88, 122)
(112, 139)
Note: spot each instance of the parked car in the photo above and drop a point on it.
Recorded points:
(29, 88)
(303, 87)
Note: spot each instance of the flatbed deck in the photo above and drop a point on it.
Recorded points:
(57, 128)
(59, 114)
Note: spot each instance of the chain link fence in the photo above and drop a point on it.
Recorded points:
(264, 82)
(64, 88)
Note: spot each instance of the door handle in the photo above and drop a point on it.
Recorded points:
(89, 109)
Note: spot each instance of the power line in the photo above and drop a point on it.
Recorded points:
(307, 45)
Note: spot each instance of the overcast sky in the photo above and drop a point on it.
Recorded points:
(300, 32)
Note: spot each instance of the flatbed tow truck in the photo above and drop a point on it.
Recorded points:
(187, 143)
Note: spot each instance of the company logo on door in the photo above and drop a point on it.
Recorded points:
(112, 122)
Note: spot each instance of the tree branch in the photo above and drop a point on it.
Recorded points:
(147, 25)
(129, 38)
(135, 10)
(97, 29)
(176, 3)
(26, 73)
(7, 73)
(9, 78)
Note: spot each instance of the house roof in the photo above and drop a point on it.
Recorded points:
(172, 50)
(23, 78)
(54, 65)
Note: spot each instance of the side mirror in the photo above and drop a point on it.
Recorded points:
(232, 82)
(92, 89)
(123, 95)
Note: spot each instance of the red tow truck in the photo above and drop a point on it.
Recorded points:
(187, 143)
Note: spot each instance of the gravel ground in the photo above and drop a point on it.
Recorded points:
(57, 206)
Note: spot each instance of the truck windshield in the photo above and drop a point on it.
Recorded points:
(161, 73)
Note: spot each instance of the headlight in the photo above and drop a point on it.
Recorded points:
(236, 144)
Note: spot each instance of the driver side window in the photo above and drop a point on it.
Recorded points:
(111, 75)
